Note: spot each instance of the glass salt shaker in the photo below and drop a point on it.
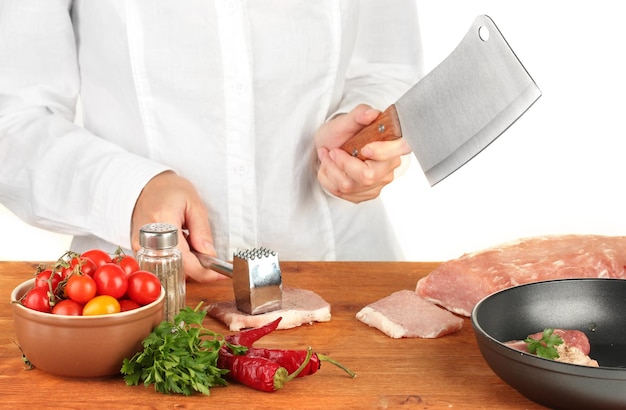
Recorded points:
(159, 255)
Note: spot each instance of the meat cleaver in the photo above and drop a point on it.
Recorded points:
(458, 108)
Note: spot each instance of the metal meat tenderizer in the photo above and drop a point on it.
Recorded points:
(257, 279)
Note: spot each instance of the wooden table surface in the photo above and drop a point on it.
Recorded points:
(444, 373)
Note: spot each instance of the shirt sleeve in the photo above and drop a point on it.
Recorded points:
(387, 57)
(53, 173)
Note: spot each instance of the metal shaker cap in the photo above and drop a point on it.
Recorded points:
(158, 236)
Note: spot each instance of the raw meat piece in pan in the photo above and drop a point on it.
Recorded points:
(574, 349)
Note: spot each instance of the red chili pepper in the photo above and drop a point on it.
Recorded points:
(292, 359)
(258, 372)
(289, 359)
(248, 337)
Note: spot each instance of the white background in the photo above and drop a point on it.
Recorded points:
(559, 169)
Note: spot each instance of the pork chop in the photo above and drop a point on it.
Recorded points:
(299, 306)
(459, 284)
(405, 314)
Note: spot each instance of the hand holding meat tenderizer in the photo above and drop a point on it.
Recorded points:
(257, 279)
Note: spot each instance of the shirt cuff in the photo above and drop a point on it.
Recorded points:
(114, 203)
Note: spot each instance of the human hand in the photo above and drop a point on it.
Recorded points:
(348, 177)
(170, 198)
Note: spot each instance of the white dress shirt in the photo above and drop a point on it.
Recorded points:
(226, 93)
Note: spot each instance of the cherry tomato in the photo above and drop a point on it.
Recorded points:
(37, 299)
(128, 304)
(143, 287)
(101, 305)
(110, 280)
(128, 264)
(99, 257)
(68, 307)
(80, 288)
(41, 280)
(87, 266)
(65, 272)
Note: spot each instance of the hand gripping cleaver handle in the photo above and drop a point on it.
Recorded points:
(385, 128)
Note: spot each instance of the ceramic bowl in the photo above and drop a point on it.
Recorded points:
(82, 346)
(595, 306)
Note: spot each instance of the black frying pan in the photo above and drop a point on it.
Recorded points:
(595, 306)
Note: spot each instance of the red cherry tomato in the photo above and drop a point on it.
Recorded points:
(99, 257)
(128, 304)
(68, 307)
(65, 272)
(87, 267)
(37, 299)
(80, 288)
(110, 280)
(42, 278)
(143, 287)
(101, 305)
(128, 264)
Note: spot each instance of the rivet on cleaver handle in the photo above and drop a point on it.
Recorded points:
(460, 107)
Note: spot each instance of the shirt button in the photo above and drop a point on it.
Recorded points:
(227, 7)
(236, 87)
(241, 169)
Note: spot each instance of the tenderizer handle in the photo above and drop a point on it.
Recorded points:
(213, 263)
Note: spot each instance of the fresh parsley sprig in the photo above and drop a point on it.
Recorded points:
(545, 347)
(178, 357)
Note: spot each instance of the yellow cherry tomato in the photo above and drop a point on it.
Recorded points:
(101, 305)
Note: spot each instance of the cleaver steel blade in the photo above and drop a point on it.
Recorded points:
(460, 107)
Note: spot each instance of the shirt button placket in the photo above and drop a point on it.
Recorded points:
(239, 117)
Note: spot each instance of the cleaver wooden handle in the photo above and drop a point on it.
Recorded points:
(384, 128)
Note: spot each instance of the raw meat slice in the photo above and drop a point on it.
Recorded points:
(459, 284)
(575, 348)
(405, 314)
(299, 306)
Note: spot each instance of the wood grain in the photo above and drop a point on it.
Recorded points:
(445, 373)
